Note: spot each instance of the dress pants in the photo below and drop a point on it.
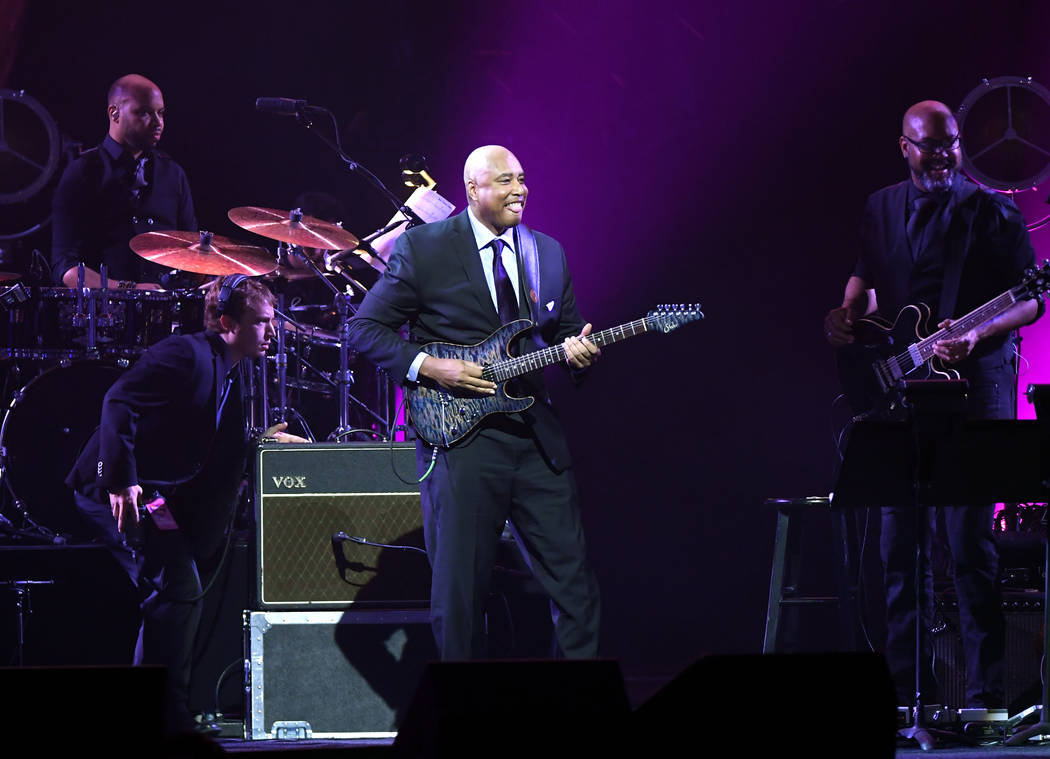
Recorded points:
(164, 571)
(969, 534)
(500, 473)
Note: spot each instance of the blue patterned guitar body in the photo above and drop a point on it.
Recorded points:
(442, 417)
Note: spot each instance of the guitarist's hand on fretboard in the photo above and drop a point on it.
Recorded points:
(581, 353)
(456, 374)
(956, 349)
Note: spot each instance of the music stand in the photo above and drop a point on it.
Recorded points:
(1039, 396)
(937, 458)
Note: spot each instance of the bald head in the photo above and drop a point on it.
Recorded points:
(495, 185)
(130, 85)
(135, 107)
(927, 117)
(929, 143)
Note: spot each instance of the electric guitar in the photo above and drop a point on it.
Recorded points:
(442, 417)
(872, 369)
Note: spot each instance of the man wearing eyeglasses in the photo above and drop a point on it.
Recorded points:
(939, 239)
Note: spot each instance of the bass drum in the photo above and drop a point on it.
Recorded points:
(44, 428)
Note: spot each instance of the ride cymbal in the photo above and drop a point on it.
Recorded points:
(292, 227)
(203, 253)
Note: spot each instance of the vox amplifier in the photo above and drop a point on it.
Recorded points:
(338, 524)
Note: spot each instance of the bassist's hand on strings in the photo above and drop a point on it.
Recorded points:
(456, 374)
(956, 349)
(581, 353)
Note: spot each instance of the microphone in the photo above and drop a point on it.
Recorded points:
(280, 106)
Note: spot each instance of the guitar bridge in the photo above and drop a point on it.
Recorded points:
(886, 376)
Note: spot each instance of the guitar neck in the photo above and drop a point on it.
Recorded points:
(922, 351)
(529, 362)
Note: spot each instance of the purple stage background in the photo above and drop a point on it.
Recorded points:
(712, 152)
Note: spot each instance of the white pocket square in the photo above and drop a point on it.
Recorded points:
(549, 306)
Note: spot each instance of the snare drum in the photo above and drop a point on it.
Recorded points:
(44, 428)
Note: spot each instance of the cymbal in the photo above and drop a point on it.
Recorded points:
(9, 276)
(186, 251)
(292, 227)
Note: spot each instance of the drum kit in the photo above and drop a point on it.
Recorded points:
(64, 347)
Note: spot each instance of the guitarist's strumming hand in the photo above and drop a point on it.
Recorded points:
(456, 374)
(581, 353)
(954, 350)
(838, 327)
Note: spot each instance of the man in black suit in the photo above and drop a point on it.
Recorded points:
(458, 280)
(938, 239)
(174, 424)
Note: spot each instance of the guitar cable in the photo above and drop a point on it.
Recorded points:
(404, 428)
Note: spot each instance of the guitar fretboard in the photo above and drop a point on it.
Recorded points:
(510, 368)
(921, 352)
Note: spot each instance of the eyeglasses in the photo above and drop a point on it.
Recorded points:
(929, 146)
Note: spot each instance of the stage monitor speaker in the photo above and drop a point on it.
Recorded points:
(83, 711)
(813, 705)
(542, 707)
(307, 494)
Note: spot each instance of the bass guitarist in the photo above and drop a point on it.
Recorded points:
(938, 239)
(457, 281)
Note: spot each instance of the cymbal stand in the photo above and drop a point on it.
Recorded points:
(344, 377)
(282, 364)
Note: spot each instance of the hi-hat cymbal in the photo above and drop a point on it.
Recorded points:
(292, 227)
(9, 276)
(203, 253)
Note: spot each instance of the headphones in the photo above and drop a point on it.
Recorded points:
(229, 284)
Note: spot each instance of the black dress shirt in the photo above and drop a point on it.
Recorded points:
(97, 209)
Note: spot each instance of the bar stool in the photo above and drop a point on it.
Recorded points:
(784, 589)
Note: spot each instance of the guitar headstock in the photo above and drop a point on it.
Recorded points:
(1037, 281)
(669, 317)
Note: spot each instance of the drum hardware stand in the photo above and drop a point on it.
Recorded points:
(80, 316)
(13, 295)
(282, 362)
(344, 376)
(23, 606)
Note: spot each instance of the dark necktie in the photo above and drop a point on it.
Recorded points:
(506, 300)
(225, 393)
(919, 223)
(138, 180)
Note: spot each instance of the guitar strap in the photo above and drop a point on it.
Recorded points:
(530, 258)
(957, 245)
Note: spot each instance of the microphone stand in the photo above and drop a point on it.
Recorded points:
(303, 118)
(342, 301)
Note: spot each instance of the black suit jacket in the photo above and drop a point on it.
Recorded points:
(158, 428)
(435, 282)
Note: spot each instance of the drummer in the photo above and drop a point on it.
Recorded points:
(122, 187)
